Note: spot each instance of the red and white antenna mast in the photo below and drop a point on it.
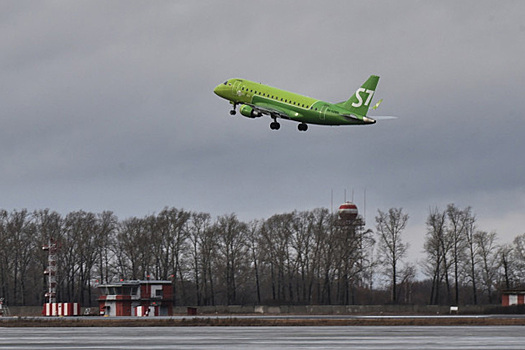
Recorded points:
(51, 271)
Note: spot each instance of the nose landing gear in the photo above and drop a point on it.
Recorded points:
(233, 111)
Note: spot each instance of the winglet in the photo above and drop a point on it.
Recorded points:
(377, 104)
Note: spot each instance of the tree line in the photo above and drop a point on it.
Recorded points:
(467, 265)
(301, 257)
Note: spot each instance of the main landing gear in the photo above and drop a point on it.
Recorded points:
(276, 126)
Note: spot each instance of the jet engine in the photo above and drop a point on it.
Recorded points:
(249, 112)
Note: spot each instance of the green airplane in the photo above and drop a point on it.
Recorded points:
(256, 100)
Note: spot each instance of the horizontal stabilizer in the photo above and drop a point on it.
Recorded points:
(383, 117)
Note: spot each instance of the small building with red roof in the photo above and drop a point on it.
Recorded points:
(136, 298)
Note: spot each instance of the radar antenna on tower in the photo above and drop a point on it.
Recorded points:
(348, 211)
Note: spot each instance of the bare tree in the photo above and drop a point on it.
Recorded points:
(208, 252)
(434, 249)
(253, 244)
(408, 274)
(105, 230)
(488, 260)
(232, 246)
(21, 238)
(198, 226)
(392, 249)
(321, 257)
(457, 224)
(82, 244)
(470, 262)
(171, 228)
(5, 257)
(518, 254)
(133, 250)
(508, 266)
(276, 237)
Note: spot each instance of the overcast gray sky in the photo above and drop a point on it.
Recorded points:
(109, 105)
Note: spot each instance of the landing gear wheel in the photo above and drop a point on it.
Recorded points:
(302, 127)
(275, 126)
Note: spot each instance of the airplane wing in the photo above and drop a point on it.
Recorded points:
(273, 111)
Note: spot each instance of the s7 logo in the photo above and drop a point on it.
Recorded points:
(359, 102)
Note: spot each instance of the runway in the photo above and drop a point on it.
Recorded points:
(264, 338)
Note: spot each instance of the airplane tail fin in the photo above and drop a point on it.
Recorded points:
(360, 101)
